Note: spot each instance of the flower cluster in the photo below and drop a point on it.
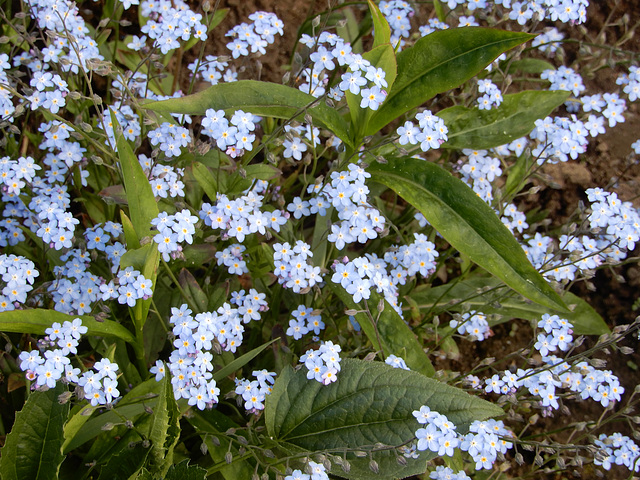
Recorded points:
(165, 180)
(292, 267)
(432, 131)
(398, 14)
(241, 217)
(100, 386)
(18, 275)
(254, 36)
(620, 219)
(439, 435)
(212, 69)
(484, 441)
(232, 137)
(317, 471)
(231, 257)
(169, 138)
(323, 364)
(396, 362)
(172, 230)
(75, 287)
(492, 95)
(631, 83)
(127, 120)
(347, 193)
(446, 473)
(617, 449)
(564, 79)
(361, 78)
(304, 321)
(473, 324)
(191, 362)
(170, 22)
(55, 364)
(129, 287)
(556, 335)
(548, 41)
(480, 170)
(254, 392)
(51, 364)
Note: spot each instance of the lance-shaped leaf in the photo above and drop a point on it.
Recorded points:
(37, 320)
(260, 98)
(370, 403)
(390, 334)
(165, 429)
(489, 295)
(381, 30)
(33, 449)
(467, 223)
(514, 118)
(440, 62)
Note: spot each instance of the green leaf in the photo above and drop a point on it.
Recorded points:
(369, 403)
(467, 223)
(205, 179)
(124, 464)
(165, 429)
(129, 407)
(142, 204)
(218, 16)
(259, 98)
(192, 290)
(514, 118)
(212, 423)
(381, 30)
(77, 418)
(240, 362)
(262, 172)
(184, 471)
(440, 62)
(37, 320)
(490, 296)
(32, 450)
(395, 336)
(382, 57)
(529, 65)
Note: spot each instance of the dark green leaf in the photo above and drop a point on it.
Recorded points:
(37, 320)
(369, 403)
(489, 295)
(259, 98)
(262, 172)
(529, 65)
(440, 62)
(192, 290)
(394, 334)
(206, 180)
(240, 362)
(127, 462)
(212, 423)
(33, 449)
(142, 204)
(467, 223)
(184, 471)
(514, 118)
(165, 429)
(381, 30)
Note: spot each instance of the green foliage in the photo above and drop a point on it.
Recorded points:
(467, 223)
(440, 62)
(259, 98)
(33, 449)
(36, 320)
(514, 118)
(387, 331)
(370, 403)
(491, 296)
